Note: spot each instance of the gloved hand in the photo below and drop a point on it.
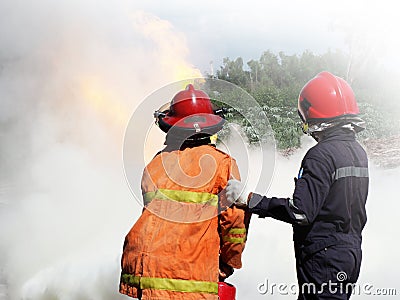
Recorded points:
(225, 270)
(236, 192)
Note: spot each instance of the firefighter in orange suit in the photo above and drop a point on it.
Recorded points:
(188, 237)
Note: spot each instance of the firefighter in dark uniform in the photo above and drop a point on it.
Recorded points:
(327, 209)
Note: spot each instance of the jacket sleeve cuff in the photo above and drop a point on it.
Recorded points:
(258, 204)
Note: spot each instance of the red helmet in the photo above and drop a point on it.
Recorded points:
(192, 111)
(326, 97)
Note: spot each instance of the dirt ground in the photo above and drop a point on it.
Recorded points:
(384, 152)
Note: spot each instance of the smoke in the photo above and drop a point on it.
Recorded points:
(269, 255)
(71, 74)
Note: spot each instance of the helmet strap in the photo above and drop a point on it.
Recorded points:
(305, 128)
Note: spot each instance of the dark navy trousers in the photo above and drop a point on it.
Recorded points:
(328, 273)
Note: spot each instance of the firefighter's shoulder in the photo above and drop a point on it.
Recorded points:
(219, 151)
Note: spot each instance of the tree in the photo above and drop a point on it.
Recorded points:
(275, 81)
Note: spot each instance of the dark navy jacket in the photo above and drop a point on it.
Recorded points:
(328, 205)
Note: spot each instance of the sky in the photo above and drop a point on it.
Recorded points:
(218, 29)
(72, 73)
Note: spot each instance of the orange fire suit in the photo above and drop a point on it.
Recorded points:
(173, 250)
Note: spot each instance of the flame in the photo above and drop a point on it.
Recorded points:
(104, 102)
(165, 53)
(183, 72)
(169, 46)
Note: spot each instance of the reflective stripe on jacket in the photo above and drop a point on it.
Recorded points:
(328, 206)
(173, 250)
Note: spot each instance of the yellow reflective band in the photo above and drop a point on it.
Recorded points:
(234, 240)
(239, 236)
(181, 196)
(177, 285)
(237, 231)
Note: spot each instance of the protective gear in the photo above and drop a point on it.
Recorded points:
(236, 192)
(327, 101)
(325, 97)
(327, 212)
(191, 113)
(226, 291)
(175, 248)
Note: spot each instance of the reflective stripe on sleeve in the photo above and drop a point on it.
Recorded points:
(170, 284)
(234, 240)
(235, 236)
(237, 231)
(181, 196)
(350, 172)
(301, 219)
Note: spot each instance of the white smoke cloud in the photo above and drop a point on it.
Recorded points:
(269, 253)
(71, 75)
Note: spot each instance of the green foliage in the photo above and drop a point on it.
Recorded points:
(275, 80)
(285, 125)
